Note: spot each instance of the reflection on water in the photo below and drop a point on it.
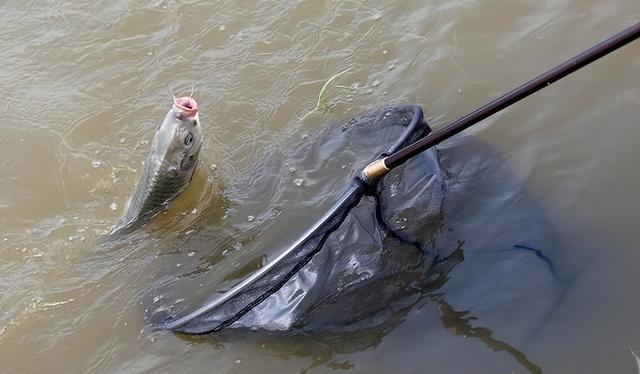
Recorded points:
(459, 324)
(86, 82)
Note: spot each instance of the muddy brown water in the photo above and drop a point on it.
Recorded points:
(85, 83)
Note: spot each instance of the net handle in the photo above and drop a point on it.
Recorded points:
(379, 168)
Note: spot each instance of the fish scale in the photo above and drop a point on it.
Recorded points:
(168, 168)
(155, 190)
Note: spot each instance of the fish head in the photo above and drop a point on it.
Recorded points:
(178, 140)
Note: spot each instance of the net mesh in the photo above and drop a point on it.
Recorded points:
(357, 262)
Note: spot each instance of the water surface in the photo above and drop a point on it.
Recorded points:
(85, 84)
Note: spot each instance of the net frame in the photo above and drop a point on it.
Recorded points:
(300, 253)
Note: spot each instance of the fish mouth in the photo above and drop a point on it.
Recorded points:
(185, 105)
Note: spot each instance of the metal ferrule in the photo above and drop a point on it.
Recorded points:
(376, 170)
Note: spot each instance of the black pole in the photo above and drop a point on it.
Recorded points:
(513, 96)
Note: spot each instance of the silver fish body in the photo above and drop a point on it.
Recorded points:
(168, 168)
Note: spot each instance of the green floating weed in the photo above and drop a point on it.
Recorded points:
(322, 103)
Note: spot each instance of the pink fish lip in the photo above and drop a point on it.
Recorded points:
(186, 105)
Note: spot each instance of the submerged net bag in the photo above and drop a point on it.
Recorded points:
(358, 263)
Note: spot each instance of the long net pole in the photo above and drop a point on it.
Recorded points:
(590, 55)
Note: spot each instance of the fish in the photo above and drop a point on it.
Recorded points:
(168, 169)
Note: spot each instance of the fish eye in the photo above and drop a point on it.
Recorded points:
(188, 140)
